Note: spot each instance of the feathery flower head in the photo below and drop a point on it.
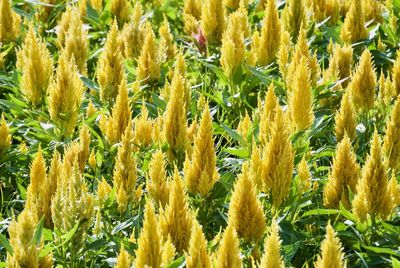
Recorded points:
(176, 219)
(110, 70)
(35, 63)
(272, 245)
(149, 59)
(391, 144)
(65, 96)
(363, 83)
(345, 119)
(5, 136)
(157, 180)
(167, 45)
(246, 214)
(212, 19)
(303, 179)
(331, 251)
(293, 16)
(121, 10)
(344, 175)
(197, 255)
(228, 254)
(353, 28)
(201, 174)
(9, 21)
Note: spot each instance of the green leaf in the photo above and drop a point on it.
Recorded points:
(395, 262)
(233, 133)
(381, 250)
(38, 232)
(320, 211)
(178, 263)
(6, 244)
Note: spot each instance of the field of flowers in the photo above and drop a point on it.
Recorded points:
(200, 133)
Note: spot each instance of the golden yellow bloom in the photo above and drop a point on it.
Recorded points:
(65, 96)
(266, 44)
(374, 182)
(84, 144)
(167, 46)
(342, 59)
(90, 110)
(197, 256)
(103, 191)
(191, 15)
(391, 144)
(394, 191)
(133, 33)
(353, 28)
(5, 136)
(114, 126)
(396, 73)
(233, 47)
(234, 4)
(35, 63)
(283, 53)
(168, 252)
(344, 175)
(246, 214)
(149, 60)
(36, 192)
(124, 177)
(345, 119)
(110, 70)
(332, 255)
(244, 126)
(359, 204)
(324, 9)
(92, 160)
(77, 43)
(201, 172)
(228, 254)
(212, 19)
(72, 203)
(302, 50)
(387, 89)
(22, 240)
(272, 245)
(256, 167)
(176, 218)
(300, 98)
(293, 16)
(157, 181)
(143, 126)
(363, 83)
(149, 249)
(124, 259)
(121, 10)
(303, 179)
(63, 25)
(9, 21)
(277, 164)
(175, 122)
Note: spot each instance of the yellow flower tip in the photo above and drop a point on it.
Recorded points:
(65, 96)
(344, 175)
(228, 254)
(121, 10)
(396, 74)
(272, 256)
(244, 126)
(363, 83)
(201, 174)
(175, 122)
(265, 45)
(90, 110)
(176, 219)
(110, 70)
(143, 126)
(277, 164)
(167, 45)
(391, 146)
(233, 47)
(373, 186)
(103, 191)
(303, 178)
(293, 16)
(149, 59)
(157, 181)
(394, 191)
(267, 114)
(5, 136)
(212, 20)
(331, 251)
(149, 252)
(353, 28)
(245, 210)
(345, 119)
(301, 99)
(124, 259)
(125, 171)
(9, 21)
(35, 63)
(197, 255)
